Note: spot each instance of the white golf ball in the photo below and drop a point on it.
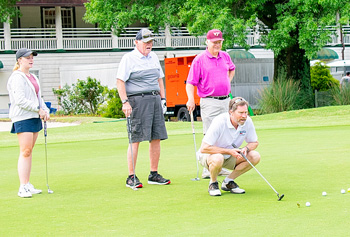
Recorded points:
(324, 194)
(342, 191)
(307, 204)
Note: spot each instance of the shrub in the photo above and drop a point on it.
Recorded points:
(112, 107)
(90, 92)
(341, 95)
(281, 95)
(82, 98)
(69, 101)
(321, 78)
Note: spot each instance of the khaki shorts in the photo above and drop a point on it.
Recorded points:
(229, 163)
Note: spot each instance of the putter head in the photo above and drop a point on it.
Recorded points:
(49, 191)
(195, 179)
(134, 188)
(280, 197)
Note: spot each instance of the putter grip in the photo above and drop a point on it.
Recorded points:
(192, 124)
(45, 129)
(128, 120)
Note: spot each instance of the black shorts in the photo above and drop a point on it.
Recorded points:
(147, 119)
(27, 125)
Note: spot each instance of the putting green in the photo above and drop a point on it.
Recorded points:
(303, 154)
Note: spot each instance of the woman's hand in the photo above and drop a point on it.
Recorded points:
(43, 115)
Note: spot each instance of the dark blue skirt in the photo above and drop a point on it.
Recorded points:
(28, 125)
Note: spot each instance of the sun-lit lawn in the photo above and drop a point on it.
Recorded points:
(303, 154)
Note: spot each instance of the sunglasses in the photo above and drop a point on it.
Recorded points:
(147, 36)
(239, 100)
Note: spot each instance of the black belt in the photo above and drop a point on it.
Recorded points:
(218, 97)
(146, 93)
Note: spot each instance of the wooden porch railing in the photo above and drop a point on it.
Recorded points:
(94, 38)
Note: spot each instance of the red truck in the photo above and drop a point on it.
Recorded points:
(176, 71)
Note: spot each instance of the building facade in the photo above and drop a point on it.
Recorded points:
(71, 49)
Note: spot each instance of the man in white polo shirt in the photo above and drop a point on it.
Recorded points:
(227, 131)
(141, 90)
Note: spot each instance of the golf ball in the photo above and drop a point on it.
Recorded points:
(349, 190)
(307, 204)
(324, 194)
(342, 191)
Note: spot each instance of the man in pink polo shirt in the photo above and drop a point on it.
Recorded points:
(211, 72)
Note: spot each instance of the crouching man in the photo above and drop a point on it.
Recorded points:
(217, 151)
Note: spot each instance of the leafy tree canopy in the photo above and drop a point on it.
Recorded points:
(289, 22)
(7, 10)
(294, 29)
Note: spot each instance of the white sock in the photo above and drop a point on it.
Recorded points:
(228, 180)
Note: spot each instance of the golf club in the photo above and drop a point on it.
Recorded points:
(128, 121)
(47, 173)
(195, 147)
(278, 195)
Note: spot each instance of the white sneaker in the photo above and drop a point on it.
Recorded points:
(232, 187)
(24, 192)
(214, 189)
(223, 172)
(205, 174)
(32, 190)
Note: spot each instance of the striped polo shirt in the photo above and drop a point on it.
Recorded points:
(140, 73)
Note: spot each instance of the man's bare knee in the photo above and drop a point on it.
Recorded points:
(254, 157)
(216, 160)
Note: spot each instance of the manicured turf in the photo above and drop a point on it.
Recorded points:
(303, 154)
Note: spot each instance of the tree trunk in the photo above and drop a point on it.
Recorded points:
(291, 63)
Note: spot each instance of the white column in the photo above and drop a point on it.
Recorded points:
(7, 35)
(338, 29)
(256, 34)
(167, 37)
(58, 20)
(114, 40)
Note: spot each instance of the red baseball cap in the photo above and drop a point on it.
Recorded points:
(214, 35)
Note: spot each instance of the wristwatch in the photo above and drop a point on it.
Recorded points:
(124, 101)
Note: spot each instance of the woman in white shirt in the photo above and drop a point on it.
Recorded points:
(26, 111)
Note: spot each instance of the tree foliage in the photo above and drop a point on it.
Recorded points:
(304, 22)
(116, 15)
(8, 10)
(321, 78)
(294, 29)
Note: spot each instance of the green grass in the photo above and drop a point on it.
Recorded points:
(303, 154)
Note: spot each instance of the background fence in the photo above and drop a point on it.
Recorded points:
(95, 38)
